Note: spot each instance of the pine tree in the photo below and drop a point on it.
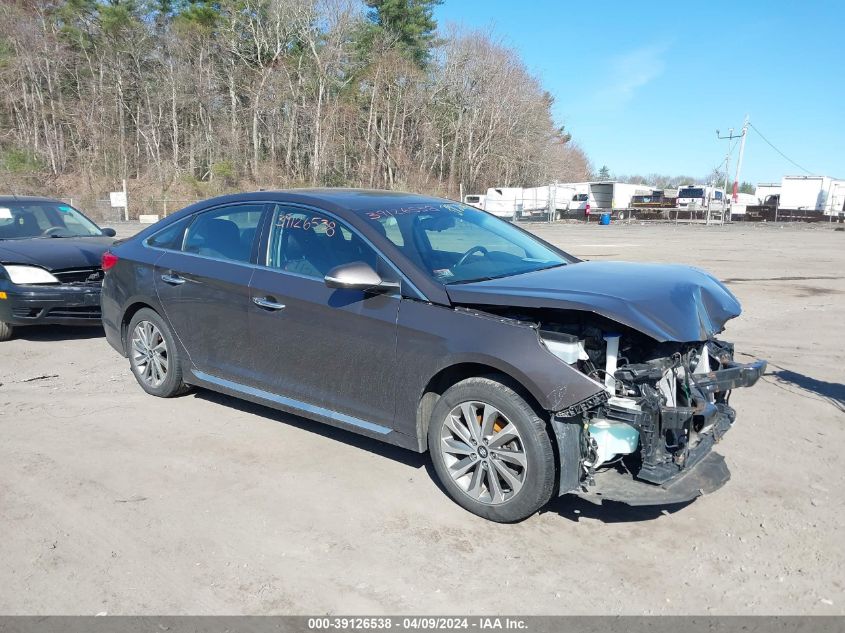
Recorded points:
(411, 22)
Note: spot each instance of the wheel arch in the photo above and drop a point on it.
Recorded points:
(130, 311)
(453, 374)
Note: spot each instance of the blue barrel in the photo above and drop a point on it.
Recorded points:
(605, 219)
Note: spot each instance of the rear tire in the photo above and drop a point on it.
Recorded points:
(153, 355)
(6, 331)
(500, 465)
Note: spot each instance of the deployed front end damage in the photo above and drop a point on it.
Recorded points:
(644, 436)
(648, 441)
(646, 336)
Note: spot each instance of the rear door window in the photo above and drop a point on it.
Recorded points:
(225, 233)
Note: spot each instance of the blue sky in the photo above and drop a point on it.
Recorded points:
(644, 86)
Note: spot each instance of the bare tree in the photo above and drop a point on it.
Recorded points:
(268, 92)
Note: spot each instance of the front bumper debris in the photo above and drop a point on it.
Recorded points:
(674, 462)
(617, 484)
(734, 376)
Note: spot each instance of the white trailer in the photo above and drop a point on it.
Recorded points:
(603, 196)
(551, 200)
(813, 193)
(503, 202)
(517, 202)
(624, 191)
(555, 200)
(836, 198)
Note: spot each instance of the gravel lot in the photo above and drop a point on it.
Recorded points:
(114, 501)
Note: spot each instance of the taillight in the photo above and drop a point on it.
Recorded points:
(109, 260)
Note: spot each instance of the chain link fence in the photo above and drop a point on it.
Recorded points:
(101, 211)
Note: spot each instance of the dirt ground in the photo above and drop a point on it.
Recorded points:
(114, 501)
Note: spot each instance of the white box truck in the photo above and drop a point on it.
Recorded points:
(813, 193)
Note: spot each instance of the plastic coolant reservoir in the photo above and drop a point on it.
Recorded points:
(613, 438)
(566, 347)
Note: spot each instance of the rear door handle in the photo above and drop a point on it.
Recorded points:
(266, 302)
(173, 280)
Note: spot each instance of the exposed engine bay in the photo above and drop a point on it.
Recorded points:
(663, 404)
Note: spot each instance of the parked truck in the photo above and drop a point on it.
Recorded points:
(699, 197)
(655, 199)
(820, 194)
(767, 211)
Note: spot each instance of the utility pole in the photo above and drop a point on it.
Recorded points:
(739, 160)
(729, 138)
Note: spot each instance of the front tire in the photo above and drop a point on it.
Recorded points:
(154, 355)
(491, 451)
(6, 331)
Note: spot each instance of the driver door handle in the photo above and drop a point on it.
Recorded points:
(266, 302)
(173, 280)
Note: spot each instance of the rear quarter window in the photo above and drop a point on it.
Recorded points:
(171, 237)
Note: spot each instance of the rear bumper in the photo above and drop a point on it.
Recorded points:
(69, 304)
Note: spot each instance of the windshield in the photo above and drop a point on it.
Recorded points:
(23, 219)
(455, 243)
(691, 192)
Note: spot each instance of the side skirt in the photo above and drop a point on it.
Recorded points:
(296, 407)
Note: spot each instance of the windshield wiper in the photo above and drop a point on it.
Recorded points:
(509, 274)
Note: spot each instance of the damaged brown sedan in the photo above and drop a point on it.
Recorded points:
(431, 325)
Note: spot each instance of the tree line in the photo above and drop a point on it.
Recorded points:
(211, 95)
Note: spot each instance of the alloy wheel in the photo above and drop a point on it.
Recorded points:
(483, 452)
(149, 353)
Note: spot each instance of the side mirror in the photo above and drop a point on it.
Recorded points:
(109, 232)
(357, 276)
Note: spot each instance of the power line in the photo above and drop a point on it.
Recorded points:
(778, 151)
(725, 159)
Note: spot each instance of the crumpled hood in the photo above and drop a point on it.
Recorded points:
(55, 253)
(665, 302)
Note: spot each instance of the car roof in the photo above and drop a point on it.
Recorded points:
(9, 199)
(345, 199)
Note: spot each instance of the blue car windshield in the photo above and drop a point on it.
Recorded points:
(455, 243)
(27, 219)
